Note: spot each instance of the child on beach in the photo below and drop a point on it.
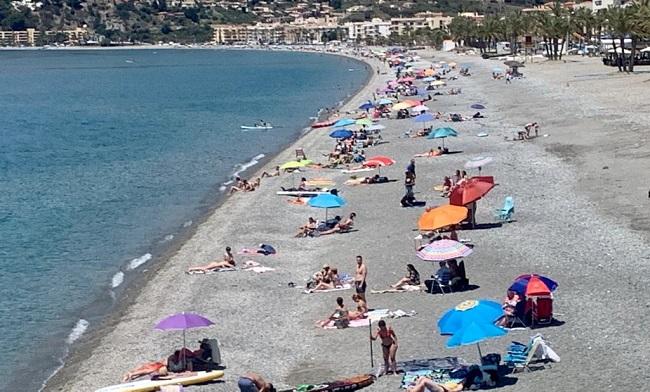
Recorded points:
(388, 346)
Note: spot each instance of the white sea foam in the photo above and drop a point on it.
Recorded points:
(188, 223)
(77, 331)
(135, 263)
(222, 188)
(167, 238)
(245, 166)
(117, 280)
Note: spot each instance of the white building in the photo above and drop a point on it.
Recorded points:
(368, 30)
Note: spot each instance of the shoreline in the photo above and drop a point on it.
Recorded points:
(161, 251)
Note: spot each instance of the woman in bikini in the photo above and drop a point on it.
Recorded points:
(424, 384)
(388, 346)
(362, 308)
(228, 262)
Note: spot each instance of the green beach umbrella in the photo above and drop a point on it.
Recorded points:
(364, 121)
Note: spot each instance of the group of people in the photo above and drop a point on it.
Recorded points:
(242, 185)
(449, 183)
(528, 128)
(315, 228)
(183, 360)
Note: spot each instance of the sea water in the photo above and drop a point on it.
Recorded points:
(105, 155)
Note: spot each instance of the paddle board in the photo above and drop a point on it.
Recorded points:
(301, 193)
(154, 385)
(256, 127)
(348, 384)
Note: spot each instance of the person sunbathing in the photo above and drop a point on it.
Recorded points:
(362, 308)
(446, 186)
(424, 384)
(307, 229)
(430, 153)
(275, 173)
(509, 307)
(157, 368)
(329, 281)
(341, 227)
(228, 262)
(412, 278)
(339, 316)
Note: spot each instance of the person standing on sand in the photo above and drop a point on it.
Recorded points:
(360, 284)
(388, 346)
(251, 382)
(411, 168)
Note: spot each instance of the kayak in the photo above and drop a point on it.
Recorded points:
(256, 127)
(154, 385)
(322, 124)
(345, 385)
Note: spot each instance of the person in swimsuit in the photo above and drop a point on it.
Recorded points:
(157, 368)
(424, 384)
(360, 278)
(388, 346)
(412, 278)
(339, 316)
(228, 262)
(251, 382)
(362, 308)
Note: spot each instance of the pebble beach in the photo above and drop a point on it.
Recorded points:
(581, 194)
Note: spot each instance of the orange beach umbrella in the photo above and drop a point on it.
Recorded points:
(442, 216)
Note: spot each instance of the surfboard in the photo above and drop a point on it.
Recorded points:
(256, 127)
(345, 385)
(154, 385)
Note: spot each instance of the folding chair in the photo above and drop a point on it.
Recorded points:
(441, 284)
(519, 356)
(504, 214)
(300, 154)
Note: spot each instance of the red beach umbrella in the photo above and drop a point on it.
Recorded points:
(469, 191)
(379, 160)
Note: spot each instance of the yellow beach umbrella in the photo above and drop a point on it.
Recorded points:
(296, 164)
(403, 105)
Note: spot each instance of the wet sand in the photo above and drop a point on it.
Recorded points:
(583, 225)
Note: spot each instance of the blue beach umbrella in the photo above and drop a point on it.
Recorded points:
(442, 133)
(343, 122)
(475, 333)
(326, 201)
(424, 117)
(472, 311)
(477, 106)
(341, 134)
(367, 106)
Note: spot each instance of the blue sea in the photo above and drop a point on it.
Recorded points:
(107, 156)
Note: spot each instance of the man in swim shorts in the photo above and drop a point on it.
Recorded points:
(360, 278)
(251, 382)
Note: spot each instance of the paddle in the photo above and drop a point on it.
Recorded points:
(372, 362)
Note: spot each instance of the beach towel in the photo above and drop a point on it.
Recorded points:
(228, 269)
(446, 371)
(405, 289)
(345, 286)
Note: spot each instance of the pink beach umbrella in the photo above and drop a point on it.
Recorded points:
(443, 250)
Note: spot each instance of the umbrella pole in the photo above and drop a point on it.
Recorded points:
(372, 361)
(183, 352)
(479, 352)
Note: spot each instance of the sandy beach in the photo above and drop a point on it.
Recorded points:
(581, 197)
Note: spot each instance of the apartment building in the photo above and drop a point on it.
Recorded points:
(431, 20)
(369, 30)
(30, 37)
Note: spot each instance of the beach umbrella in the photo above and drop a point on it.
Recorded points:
(467, 312)
(183, 321)
(532, 285)
(442, 216)
(420, 108)
(442, 133)
(443, 250)
(403, 105)
(296, 164)
(364, 121)
(475, 333)
(424, 117)
(375, 127)
(513, 64)
(343, 122)
(429, 72)
(477, 106)
(341, 134)
(367, 106)
(378, 161)
(478, 163)
(385, 101)
(471, 190)
(326, 201)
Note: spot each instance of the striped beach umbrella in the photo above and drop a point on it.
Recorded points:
(443, 250)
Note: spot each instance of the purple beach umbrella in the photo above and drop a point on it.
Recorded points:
(183, 321)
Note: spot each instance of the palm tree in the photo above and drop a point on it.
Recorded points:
(640, 15)
(620, 24)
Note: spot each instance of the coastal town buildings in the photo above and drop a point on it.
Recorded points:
(31, 37)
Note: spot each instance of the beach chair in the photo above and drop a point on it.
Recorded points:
(300, 154)
(520, 356)
(441, 284)
(505, 213)
(542, 310)
(213, 361)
